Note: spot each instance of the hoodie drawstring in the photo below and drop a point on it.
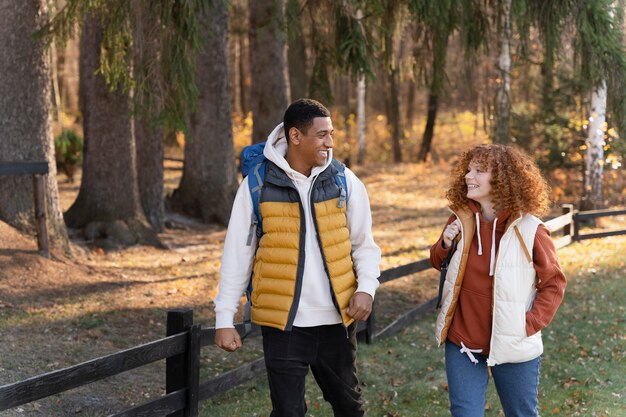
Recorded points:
(492, 257)
(492, 260)
(480, 243)
(470, 353)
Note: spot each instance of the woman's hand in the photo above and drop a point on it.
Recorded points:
(450, 233)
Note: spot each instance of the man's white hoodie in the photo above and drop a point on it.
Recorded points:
(316, 306)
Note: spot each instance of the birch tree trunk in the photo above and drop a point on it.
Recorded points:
(594, 156)
(503, 89)
(25, 130)
(360, 119)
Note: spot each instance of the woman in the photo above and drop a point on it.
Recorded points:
(504, 282)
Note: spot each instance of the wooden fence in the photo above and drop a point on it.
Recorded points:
(181, 347)
(38, 170)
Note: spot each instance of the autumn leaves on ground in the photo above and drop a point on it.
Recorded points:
(56, 313)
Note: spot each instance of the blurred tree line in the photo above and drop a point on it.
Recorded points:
(546, 75)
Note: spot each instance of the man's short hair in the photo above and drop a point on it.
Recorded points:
(300, 114)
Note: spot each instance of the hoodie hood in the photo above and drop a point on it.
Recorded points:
(276, 149)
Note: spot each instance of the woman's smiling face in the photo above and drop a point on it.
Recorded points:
(478, 182)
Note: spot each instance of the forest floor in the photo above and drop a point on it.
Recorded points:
(62, 311)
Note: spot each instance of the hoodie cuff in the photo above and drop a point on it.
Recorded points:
(224, 319)
(531, 327)
(440, 251)
(368, 286)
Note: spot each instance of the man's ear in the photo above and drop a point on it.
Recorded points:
(294, 135)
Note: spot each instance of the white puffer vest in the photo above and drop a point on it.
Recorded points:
(513, 294)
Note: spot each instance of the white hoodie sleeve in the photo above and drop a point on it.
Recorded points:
(365, 253)
(237, 258)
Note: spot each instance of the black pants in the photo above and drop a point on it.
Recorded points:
(330, 351)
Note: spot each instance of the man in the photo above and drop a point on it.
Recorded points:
(314, 269)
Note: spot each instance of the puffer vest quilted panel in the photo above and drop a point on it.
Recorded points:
(279, 261)
(336, 248)
(276, 264)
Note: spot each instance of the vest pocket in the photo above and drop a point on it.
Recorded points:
(510, 318)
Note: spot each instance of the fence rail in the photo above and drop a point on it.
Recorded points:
(38, 170)
(184, 340)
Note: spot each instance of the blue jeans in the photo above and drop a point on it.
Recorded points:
(330, 353)
(516, 383)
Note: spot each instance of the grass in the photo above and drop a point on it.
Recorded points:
(582, 367)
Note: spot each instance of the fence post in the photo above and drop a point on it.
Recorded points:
(569, 231)
(576, 225)
(176, 369)
(193, 372)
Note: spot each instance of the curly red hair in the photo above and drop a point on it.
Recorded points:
(516, 182)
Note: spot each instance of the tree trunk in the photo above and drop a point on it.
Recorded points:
(108, 204)
(149, 134)
(245, 76)
(547, 92)
(234, 58)
(393, 114)
(25, 131)
(440, 50)
(410, 104)
(54, 69)
(391, 75)
(209, 183)
(150, 152)
(360, 119)
(429, 130)
(239, 70)
(594, 157)
(68, 78)
(503, 89)
(296, 53)
(269, 96)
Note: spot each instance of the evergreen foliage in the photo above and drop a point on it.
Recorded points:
(68, 150)
(149, 47)
(342, 38)
(601, 55)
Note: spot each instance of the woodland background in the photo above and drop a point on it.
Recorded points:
(141, 107)
(114, 84)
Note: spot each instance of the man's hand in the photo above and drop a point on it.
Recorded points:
(360, 306)
(227, 339)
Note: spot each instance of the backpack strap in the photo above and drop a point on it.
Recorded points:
(521, 241)
(255, 184)
(444, 269)
(342, 182)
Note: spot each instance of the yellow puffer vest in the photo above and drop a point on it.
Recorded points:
(279, 260)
